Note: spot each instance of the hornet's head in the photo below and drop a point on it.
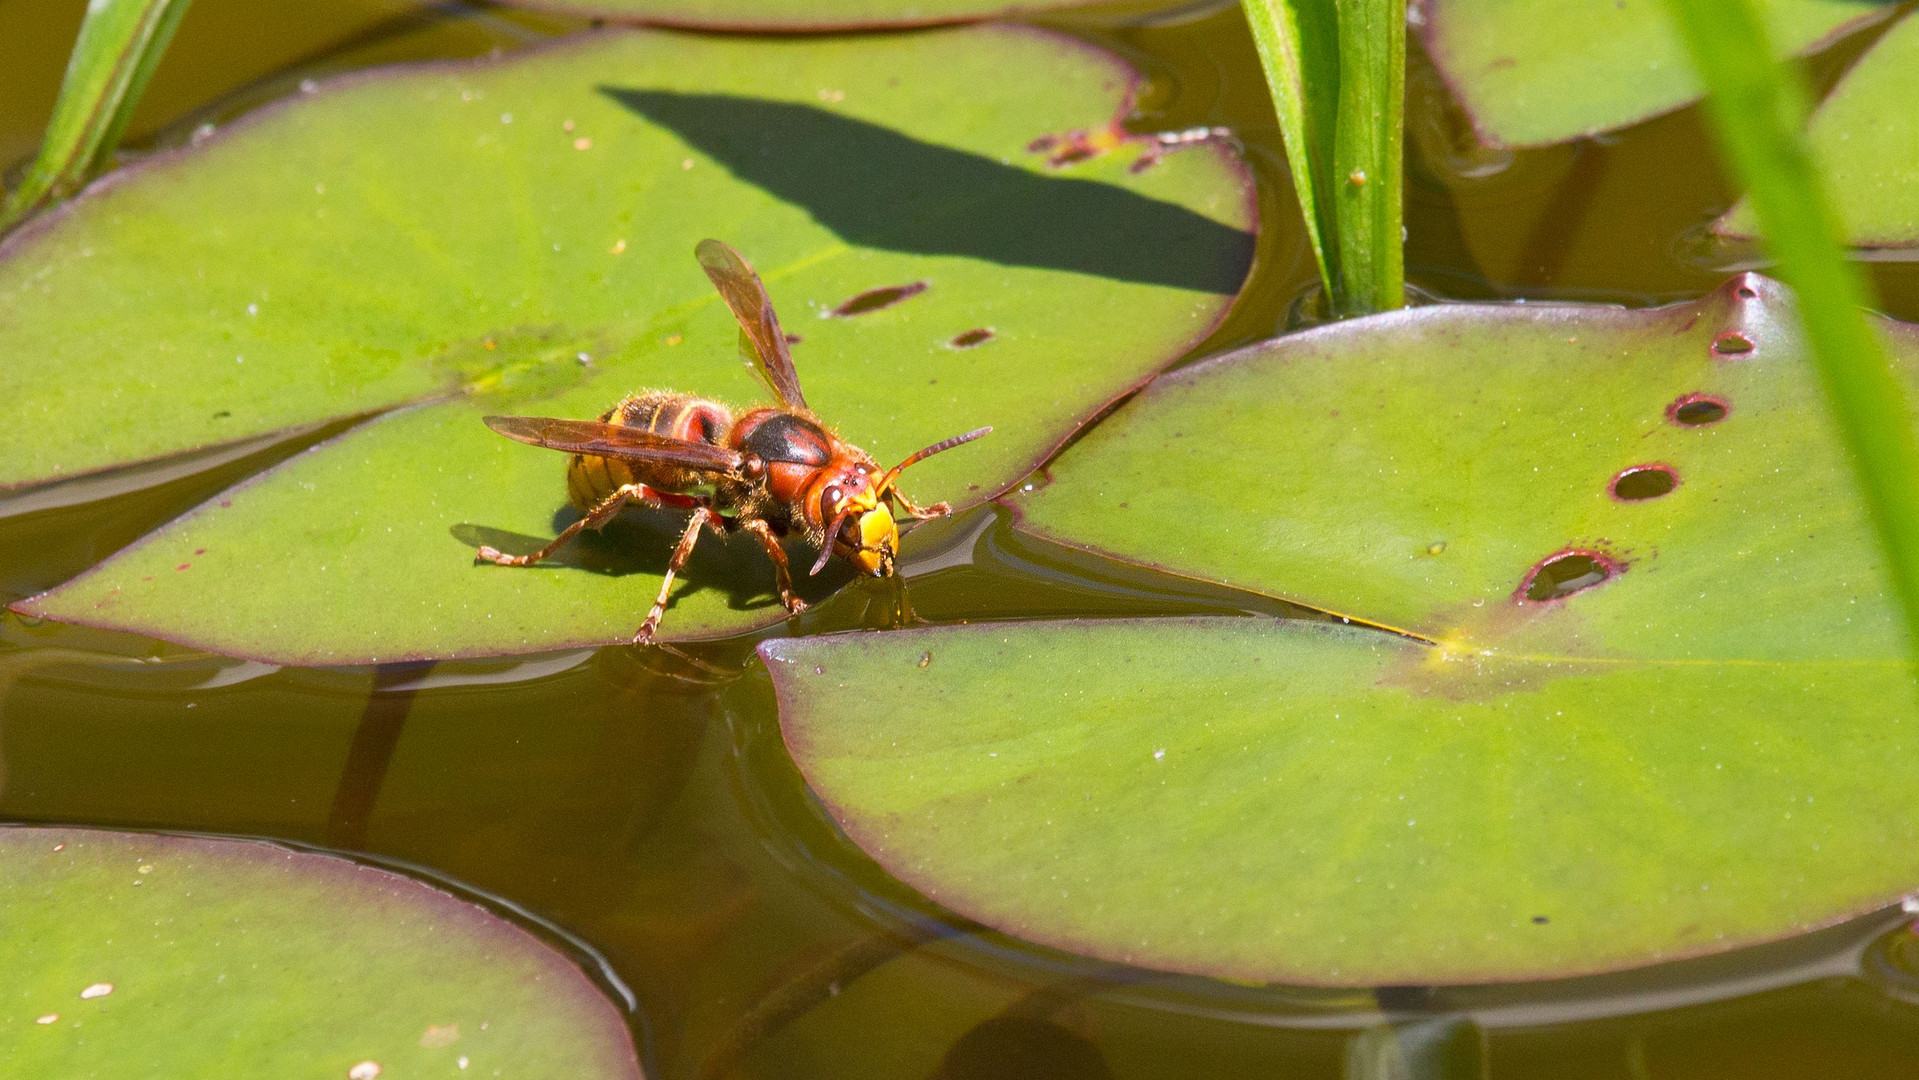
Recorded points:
(859, 514)
(860, 526)
(870, 540)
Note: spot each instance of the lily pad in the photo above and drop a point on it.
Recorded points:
(785, 16)
(1866, 136)
(1651, 697)
(130, 954)
(1534, 72)
(516, 236)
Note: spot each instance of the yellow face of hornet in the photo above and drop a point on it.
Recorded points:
(872, 523)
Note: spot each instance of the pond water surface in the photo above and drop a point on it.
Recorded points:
(638, 808)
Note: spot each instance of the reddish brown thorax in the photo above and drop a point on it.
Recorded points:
(804, 462)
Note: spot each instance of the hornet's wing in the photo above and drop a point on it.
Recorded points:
(616, 441)
(743, 292)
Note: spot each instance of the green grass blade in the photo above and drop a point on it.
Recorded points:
(120, 44)
(1366, 154)
(1298, 42)
(159, 34)
(1758, 112)
(1337, 76)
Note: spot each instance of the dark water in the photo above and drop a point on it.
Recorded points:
(640, 810)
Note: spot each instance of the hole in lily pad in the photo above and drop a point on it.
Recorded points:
(1732, 343)
(1697, 410)
(876, 299)
(1644, 482)
(971, 338)
(1566, 573)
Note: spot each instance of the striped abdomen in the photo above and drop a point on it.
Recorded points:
(589, 479)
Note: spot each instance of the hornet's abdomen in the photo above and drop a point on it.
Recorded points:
(589, 480)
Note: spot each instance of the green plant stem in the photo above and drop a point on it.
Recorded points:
(1366, 154)
(120, 43)
(1758, 110)
(1337, 72)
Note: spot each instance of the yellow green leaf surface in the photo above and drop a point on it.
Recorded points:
(1533, 72)
(1866, 136)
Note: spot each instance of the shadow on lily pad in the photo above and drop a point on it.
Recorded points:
(641, 542)
(876, 187)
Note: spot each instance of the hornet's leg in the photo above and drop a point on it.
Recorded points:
(776, 553)
(703, 517)
(915, 510)
(687, 659)
(902, 603)
(595, 518)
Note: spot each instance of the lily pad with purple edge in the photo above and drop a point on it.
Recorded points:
(516, 236)
(1645, 692)
(154, 955)
(786, 16)
(1866, 136)
(1535, 72)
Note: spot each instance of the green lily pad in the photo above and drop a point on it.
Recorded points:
(1866, 136)
(785, 16)
(131, 954)
(516, 237)
(1534, 72)
(1652, 698)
